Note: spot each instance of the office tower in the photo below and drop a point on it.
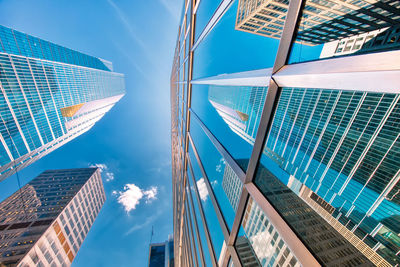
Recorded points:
(49, 95)
(320, 23)
(299, 159)
(162, 254)
(45, 223)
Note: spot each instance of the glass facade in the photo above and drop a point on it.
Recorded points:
(49, 95)
(282, 164)
(162, 254)
(45, 223)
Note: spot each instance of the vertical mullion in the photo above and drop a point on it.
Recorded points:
(196, 227)
(214, 201)
(221, 149)
(273, 93)
(203, 218)
(190, 227)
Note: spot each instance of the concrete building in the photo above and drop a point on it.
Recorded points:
(45, 223)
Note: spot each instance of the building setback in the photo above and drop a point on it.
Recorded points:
(50, 94)
(45, 223)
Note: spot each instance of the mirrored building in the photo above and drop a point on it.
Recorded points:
(45, 223)
(49, 95)
(162, 254)
(294, 164)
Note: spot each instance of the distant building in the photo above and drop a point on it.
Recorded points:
(45, 223)
(50, 94)
(162, 254)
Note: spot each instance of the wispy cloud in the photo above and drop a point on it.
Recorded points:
(172, 10)
(160, 167)
(146, 222)
(107, 174)
(128, 26)
(131, 196)
(220, 165)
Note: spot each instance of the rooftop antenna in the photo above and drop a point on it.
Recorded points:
(151, 235)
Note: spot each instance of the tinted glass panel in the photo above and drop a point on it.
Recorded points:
(258, 243)
(214, 228)
(232, 114)
(204, 13)
(215, 168)
(338, 28)
(336, 152)
(227, 50)
(196, 216)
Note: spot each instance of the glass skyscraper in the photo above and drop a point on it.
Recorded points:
(49, 95)
(162, 254)
(45, 223)
(281, 158)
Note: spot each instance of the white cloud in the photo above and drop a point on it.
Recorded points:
(106, 173)
(131, 195)
(150, 194)
(221, 165)
(201, 186)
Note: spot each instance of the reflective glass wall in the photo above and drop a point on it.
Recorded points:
(285, 133)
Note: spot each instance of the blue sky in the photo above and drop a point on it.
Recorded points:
(133, 139)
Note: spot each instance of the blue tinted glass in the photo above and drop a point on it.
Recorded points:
(250, 51)
(196, 216)
(231, 113)
(336, 151)
(216, 170)
(217, 237)
(332, 30)
(259, 242)
(204, 13)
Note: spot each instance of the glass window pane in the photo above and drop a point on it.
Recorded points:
(196, 216)
(340, 28)
(232, 114)
(214, 227)
(204, 13)
(228, 50)
(216, 170)
(336, 152)
(191, 225)
(258, 243)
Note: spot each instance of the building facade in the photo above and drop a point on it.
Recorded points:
(294, 164)
(162, 254)
(49, 95)
(45, 223)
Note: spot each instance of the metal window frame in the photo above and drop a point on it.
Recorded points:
(203, 218)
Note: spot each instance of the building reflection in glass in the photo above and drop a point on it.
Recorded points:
(339, 151)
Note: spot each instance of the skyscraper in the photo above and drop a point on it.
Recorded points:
(310, 151)
(45, 223)
(162, 254)
(49, 95)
